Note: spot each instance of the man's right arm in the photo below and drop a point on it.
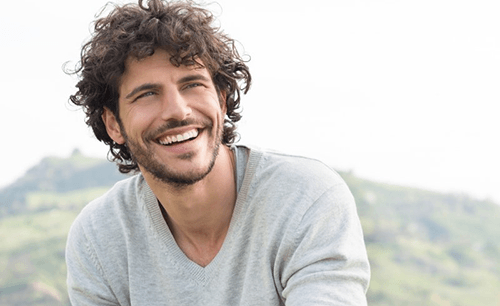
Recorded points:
(86, 280)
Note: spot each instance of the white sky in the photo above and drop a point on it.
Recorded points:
(404, 92)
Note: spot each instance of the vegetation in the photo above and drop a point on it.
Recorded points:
(57, 175)
(425, 248)
(428, 248)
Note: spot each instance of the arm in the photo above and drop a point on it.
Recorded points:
(328, 264)
(87, 284)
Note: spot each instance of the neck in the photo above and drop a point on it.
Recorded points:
(199, 215)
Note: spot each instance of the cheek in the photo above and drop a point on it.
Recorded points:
(137, 121)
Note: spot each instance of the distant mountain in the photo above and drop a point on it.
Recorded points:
(425, 248)
(54, 174)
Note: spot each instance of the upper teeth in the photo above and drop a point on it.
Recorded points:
(178, 138)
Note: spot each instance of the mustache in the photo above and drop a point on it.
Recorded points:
(172, 124)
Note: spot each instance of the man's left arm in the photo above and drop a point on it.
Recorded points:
(328, 264)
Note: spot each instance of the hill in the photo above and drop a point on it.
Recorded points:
(54, 175)
(425, 248)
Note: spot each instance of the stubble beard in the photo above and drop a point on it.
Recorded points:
(144, 157)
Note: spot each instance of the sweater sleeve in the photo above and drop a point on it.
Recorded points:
(86, 281)
(328, 264)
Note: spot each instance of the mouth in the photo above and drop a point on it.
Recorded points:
(170, 140)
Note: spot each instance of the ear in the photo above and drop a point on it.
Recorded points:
(112, 126)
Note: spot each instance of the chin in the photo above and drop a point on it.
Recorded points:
(182, 178)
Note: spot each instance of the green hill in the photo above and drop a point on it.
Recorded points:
(54, 175)
(36, 212)
(425, 248)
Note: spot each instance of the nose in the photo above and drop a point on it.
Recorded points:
(175, 106)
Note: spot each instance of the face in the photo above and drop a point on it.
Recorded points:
(171, 119)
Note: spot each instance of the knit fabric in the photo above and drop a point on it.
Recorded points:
(294, 239)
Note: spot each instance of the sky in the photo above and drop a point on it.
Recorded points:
(402, 92)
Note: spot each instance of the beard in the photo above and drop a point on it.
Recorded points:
(143, 156)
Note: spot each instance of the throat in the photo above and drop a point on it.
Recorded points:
(202, 254)
(200, 249)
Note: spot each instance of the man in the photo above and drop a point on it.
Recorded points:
(204, 222)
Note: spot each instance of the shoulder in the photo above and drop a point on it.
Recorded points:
(119, 197)
(286, 187)
(302, 166)
(110, 210)
(295, 172)
(96, 248)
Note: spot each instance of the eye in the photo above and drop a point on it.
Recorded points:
(192, 85)
(144, 95)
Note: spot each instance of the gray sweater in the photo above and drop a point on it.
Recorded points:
(294, 239)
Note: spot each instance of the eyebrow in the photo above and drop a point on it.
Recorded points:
(193, 77)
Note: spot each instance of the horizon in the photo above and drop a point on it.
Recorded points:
(340, 171)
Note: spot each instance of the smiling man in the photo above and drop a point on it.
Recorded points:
(171, 118)
(203, 221)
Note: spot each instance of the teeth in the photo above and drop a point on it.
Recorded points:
(178, 138)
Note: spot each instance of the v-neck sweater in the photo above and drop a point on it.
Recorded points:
(294, 239)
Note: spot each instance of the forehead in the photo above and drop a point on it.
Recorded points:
(159, 60)
(157, 67)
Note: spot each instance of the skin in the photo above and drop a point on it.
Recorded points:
(193, 180)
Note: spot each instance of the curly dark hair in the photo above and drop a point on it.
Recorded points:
(183, 29)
